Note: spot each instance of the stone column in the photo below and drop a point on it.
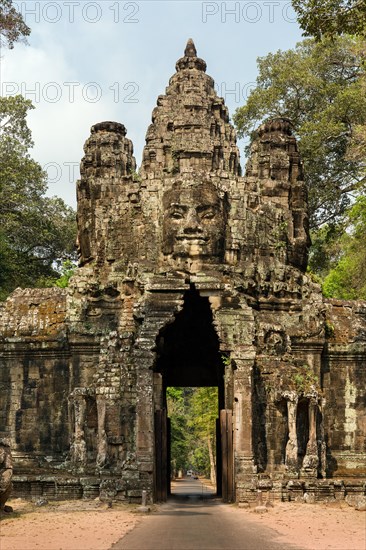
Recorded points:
(311, 460)
(102, 444)
(321, 441)
(236, 332)
(291, 458)
(229, 386)
(78, 447)
(243, 447)
(144, 427)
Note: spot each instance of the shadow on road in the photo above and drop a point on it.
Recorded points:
(189, 489)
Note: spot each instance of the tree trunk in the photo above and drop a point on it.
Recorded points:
(212, 461)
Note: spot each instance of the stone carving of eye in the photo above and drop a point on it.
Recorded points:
(176, 215)
(208, 214)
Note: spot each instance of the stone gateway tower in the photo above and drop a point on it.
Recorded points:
(191, 274)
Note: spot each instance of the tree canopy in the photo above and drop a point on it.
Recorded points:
(193, 413)
(37, 233)
(330, 18)
(12, 25)
(340, 255)
(320, 87)
(177, 404)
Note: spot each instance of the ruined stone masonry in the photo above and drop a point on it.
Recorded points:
(191, 274)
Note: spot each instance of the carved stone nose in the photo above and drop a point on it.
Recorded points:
(192, 224)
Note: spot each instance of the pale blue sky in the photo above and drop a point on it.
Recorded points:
(109, 60)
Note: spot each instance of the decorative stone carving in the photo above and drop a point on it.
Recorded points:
(190, 274)
(6, 473)
(291, 447)
(194, 222)
(276, 342)
(102, 453)
(311, 459)
(78, 447)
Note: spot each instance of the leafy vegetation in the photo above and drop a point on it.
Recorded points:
(177, 401)
(305, 380)
(37, 232)
(329, 329)
(12, 25)
(338, 254)
(320, 88)
(330, 18)
(346, 278)
(66, 271)
(193, 413)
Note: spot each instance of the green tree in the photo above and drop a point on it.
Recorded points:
(325, 249)
(12, 25)
(179, 433)
(204, 411)
(193, 413)
(66, 271)
(347, 276)
(330, 18)
(37, 232)
(320, 87)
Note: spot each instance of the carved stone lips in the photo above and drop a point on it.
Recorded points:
(192, 238)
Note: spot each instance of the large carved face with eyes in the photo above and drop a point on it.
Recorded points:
(194, 222)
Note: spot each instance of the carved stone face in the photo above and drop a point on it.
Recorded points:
(194, 223)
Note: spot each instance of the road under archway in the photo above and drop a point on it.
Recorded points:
(188, 357)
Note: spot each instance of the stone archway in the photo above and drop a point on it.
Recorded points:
(226, 326)
(188, 355)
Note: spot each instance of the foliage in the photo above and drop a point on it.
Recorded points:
(66, 271)
(179, 442)
(347, 276)
(325, 250)
(13, 122)
(37, 232)
(330, 18)
(321, 89)
(12, 25)
(226, 360)
(305, 380)
(204, 406)
(193, 413)
(204, 411)
(328, 329)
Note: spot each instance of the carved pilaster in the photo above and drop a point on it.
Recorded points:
(291, 459)
(78, 447)
(311, 459)
(243, 418)
(102, 444)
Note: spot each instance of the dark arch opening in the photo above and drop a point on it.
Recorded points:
(302, 428)
(188, 348)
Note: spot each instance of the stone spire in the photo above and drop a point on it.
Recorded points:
(190, 59)
(190, 130)
(107, 166)
(190, 50)
(275, 168)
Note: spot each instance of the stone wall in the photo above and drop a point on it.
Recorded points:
(34, 378)
(344, 383)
